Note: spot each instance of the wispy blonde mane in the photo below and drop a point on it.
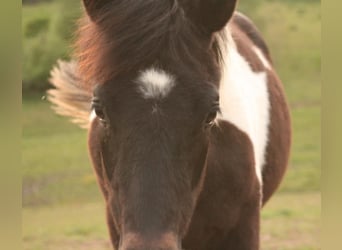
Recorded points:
(70, 98)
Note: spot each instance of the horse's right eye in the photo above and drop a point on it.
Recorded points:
(100, 114)
(98, 109)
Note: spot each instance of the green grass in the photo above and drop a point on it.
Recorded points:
(56, 168)
(59, 186)
(305, 165)
(291, 222)
(291, 227)
(72, 226)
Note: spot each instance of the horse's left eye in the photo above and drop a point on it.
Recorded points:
(212, 115)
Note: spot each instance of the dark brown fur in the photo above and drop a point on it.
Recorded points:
(170, 177)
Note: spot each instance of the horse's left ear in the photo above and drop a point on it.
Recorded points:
(209, 15)
(94, 7)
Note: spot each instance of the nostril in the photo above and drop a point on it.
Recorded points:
(165, 241)
(149, 248)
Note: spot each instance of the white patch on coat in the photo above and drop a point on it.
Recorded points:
(262, 57)
(155, 83)
(244, 100)
(92, 115)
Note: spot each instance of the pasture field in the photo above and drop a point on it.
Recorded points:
(289, 222)
(62, 206)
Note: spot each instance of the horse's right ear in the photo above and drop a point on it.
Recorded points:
(94, 7)
(209, 15)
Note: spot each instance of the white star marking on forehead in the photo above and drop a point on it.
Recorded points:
(155, 83)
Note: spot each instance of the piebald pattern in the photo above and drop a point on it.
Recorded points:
(244, 101)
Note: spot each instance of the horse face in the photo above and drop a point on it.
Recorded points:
(152, 135)
(153, 113)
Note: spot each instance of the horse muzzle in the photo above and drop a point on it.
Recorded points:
(135, 241)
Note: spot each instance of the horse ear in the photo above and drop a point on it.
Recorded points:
(210, 15)
(93, 7)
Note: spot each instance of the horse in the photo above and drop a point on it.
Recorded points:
(189, 129)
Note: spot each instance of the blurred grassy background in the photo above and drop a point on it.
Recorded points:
(63, 208)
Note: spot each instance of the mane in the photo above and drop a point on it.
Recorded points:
(69, 98)
(130, 33)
